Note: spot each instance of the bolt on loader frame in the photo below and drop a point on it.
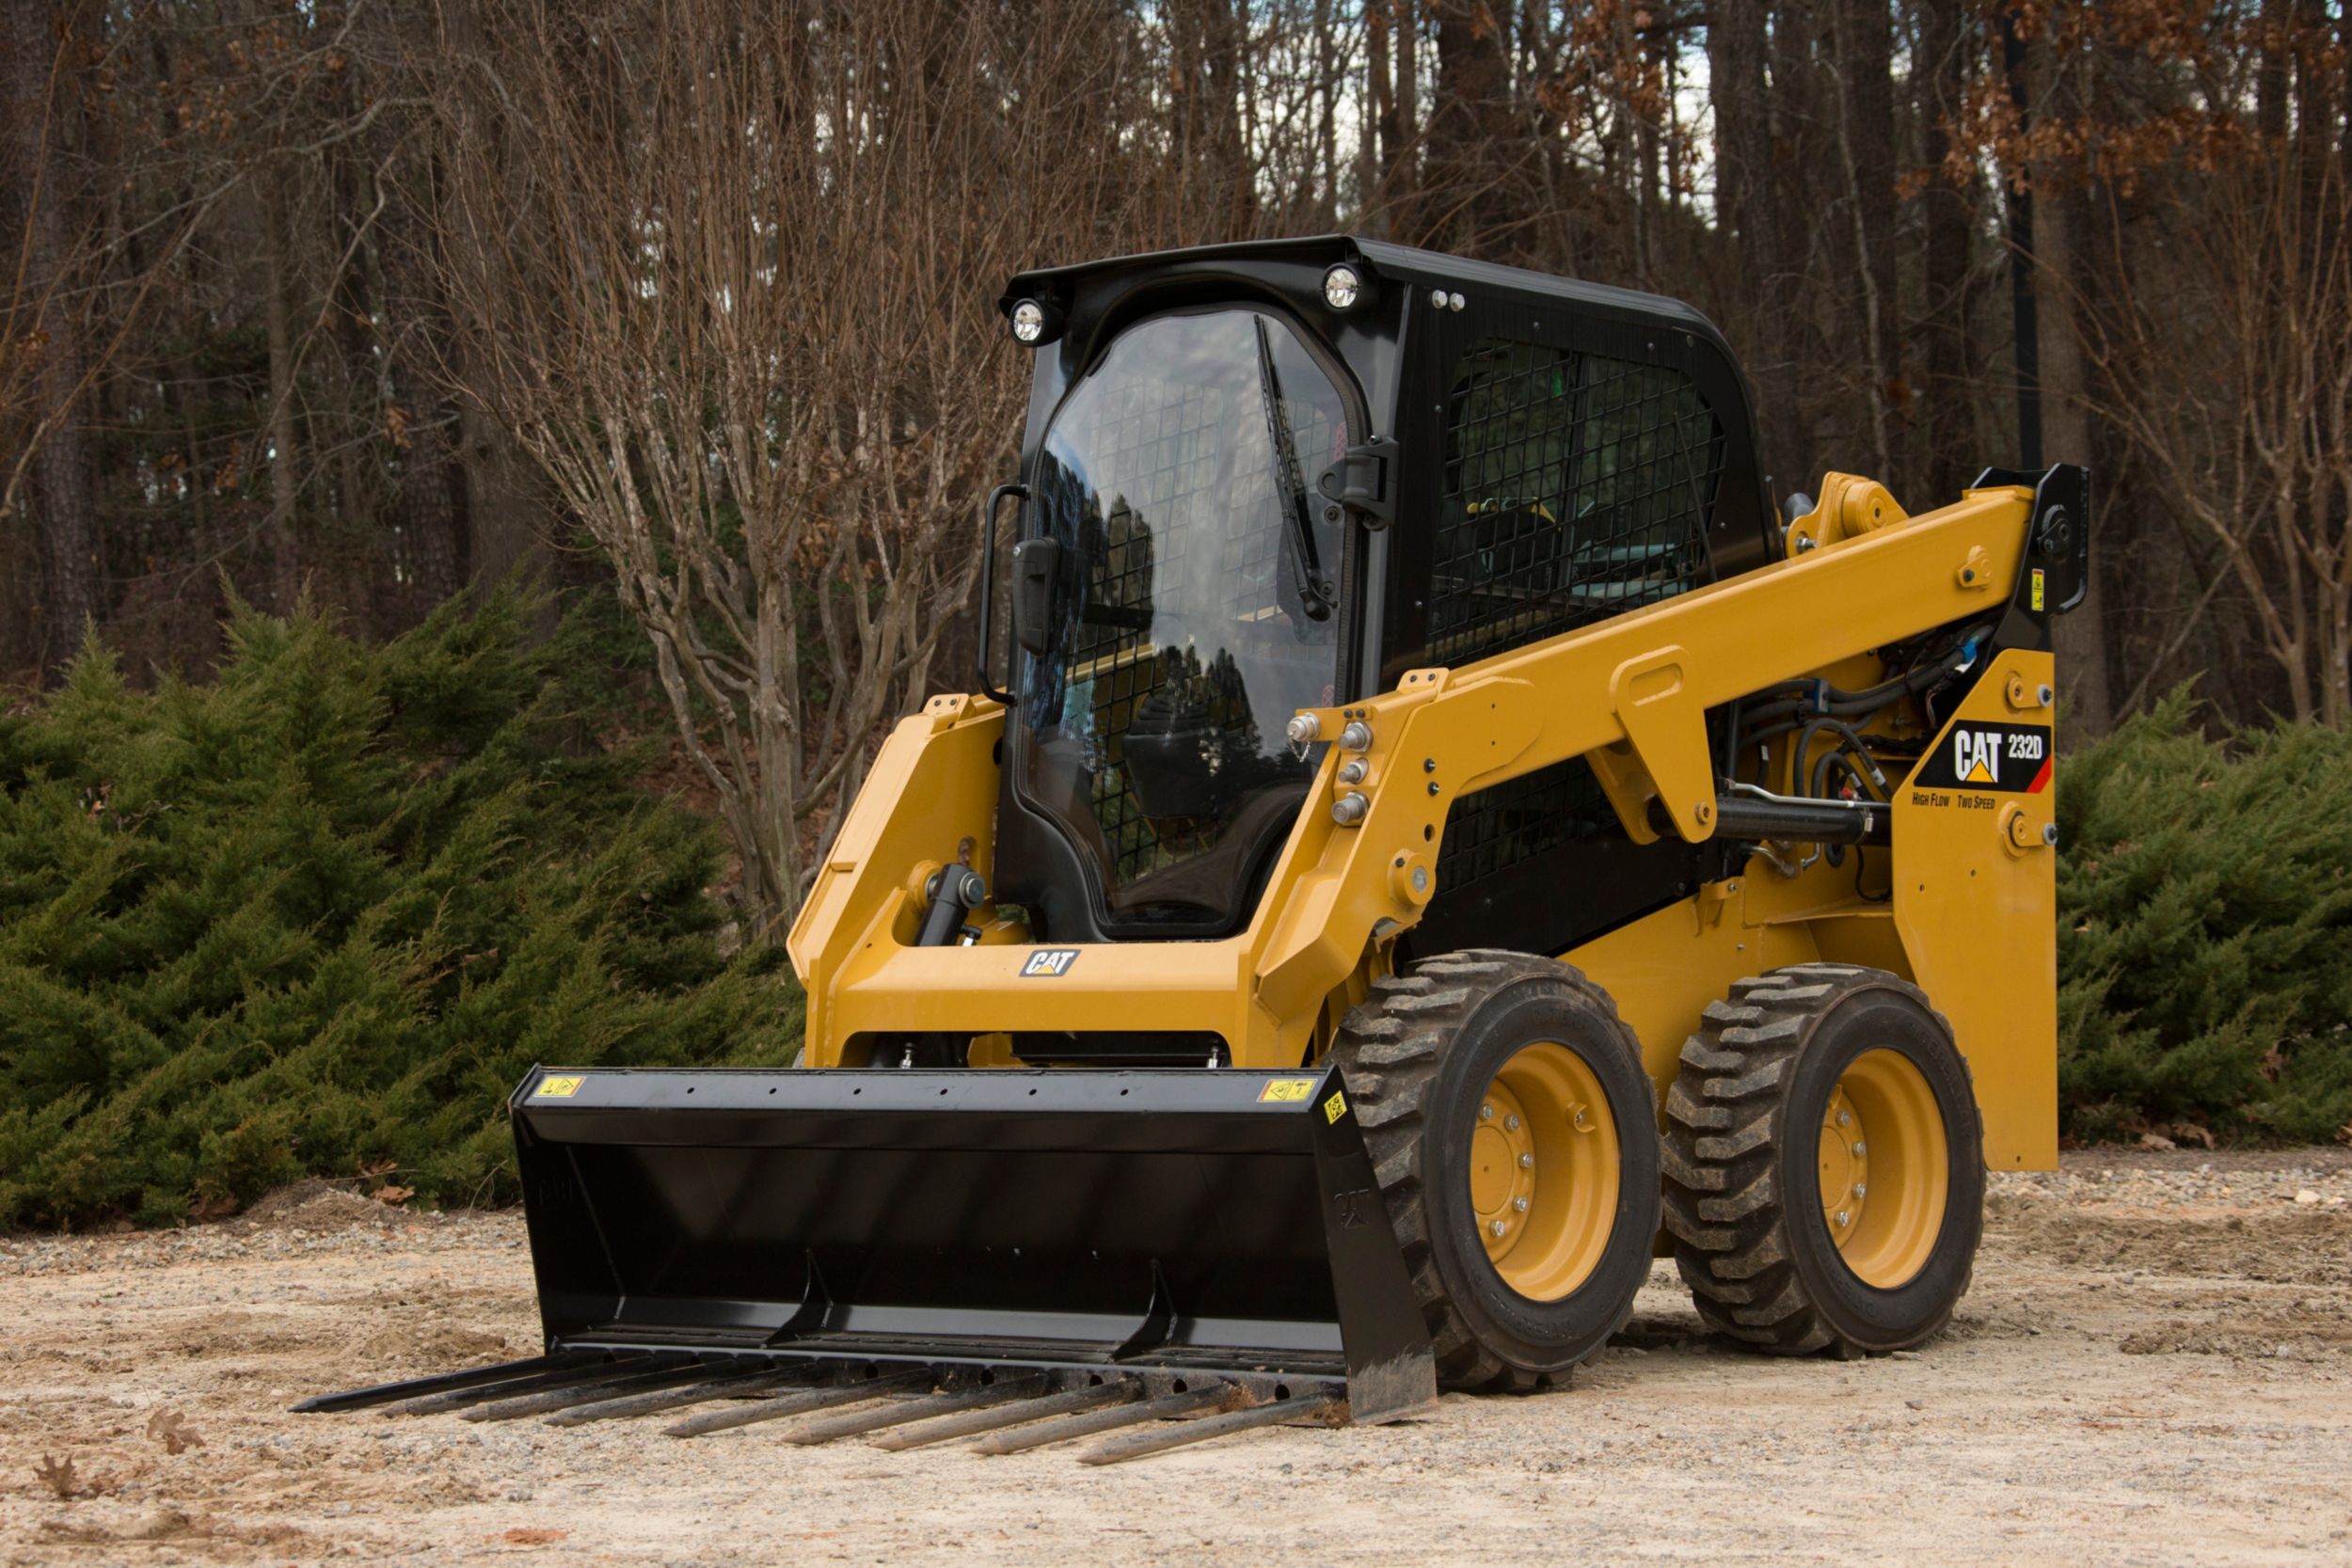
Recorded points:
(1426, 764)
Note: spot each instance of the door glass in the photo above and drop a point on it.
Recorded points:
(1186, 626)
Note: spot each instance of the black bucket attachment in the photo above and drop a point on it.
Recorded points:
(1218, 1225)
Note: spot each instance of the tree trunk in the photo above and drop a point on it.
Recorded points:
(2061, 280)
(1473, 151)
(1949, 220)
(506, 524)
(415, 328)
(59, 494)
(1864, 39)
(1736, 46)
(285, 573)
(1403, 143)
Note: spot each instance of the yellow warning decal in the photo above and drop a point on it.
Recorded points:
(1335, 1107)
(2036, 588)
(557, 1088)
(1286, 1089)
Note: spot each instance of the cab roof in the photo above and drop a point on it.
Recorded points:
(1391, 264)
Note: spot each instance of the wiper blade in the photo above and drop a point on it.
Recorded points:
(1317, 594)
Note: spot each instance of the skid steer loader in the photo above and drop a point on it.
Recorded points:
(1434, 836)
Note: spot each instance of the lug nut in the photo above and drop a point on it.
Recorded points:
(1527, 1162)
(1486, 1112)
(1303, 728)
(1844, 1218)
(1356, 736)
(1512, 1123)
(1861, 1190)
(1520, 1204)
(1498, 1227)
(1845, 1119)
(1349, 809)
(1860, 1148)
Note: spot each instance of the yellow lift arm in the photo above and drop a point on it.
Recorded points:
(1629, 694)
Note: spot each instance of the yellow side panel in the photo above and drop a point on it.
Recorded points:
(932, 787)
(1664, 969)
(1973, 920)
(1976, 901)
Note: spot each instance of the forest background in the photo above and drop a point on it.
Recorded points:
(322, 325)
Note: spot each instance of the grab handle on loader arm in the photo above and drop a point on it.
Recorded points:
(987, 583)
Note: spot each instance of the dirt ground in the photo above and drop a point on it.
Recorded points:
(2154, 1366)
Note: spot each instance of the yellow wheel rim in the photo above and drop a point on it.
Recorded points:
(1885, 1169)
(1544, 1171)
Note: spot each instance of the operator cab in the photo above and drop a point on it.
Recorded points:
(1219, 443)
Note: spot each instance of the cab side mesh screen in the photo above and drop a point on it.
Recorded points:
(1577, 488)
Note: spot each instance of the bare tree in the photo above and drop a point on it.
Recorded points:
(731, 284)
(2250, 419)
(45, 370)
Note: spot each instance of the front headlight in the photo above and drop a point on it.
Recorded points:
(1342, 285)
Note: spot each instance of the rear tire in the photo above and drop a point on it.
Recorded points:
(1514, 1134)
(1824, 1163)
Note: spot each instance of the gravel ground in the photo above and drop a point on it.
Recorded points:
(2154, 1366)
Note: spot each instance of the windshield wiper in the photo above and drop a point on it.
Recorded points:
(1317, 595)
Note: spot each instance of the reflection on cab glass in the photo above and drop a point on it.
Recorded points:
(1194, 608)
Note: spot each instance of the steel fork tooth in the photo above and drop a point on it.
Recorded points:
(1072, 1402)
(585, 1393)
(446, 1382)
(1134, 1444)
(727, 1384)
(594, 1372)
(804, 1402)
(984, 1396)
(1193, 1401)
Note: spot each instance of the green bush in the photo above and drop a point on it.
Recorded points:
(319, 916)
(2205, 930)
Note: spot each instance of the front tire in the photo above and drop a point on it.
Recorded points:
(1824, 1163)
(1514, 1134)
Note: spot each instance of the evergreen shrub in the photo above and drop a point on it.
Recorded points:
(319, 916)
(2205, 930)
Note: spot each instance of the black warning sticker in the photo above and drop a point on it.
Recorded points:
(2013, 760)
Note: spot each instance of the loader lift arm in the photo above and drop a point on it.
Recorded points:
(1336, 891)
(1652, 675)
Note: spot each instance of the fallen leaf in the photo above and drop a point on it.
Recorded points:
(375, 1170)
(530, 1535)
(59, 1478)
(173, 1429)
(2156, 1140)
(2190, 1133)
(393, 1196)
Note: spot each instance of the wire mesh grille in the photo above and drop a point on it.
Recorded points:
(1521, 818)
(1577, 488)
